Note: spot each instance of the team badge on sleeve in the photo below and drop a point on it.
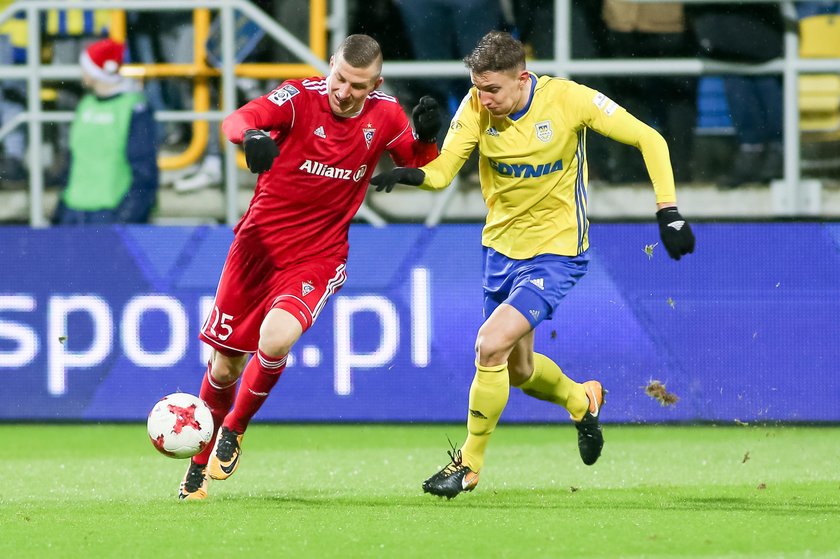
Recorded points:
(283, 94)
(368, 133)
(544, 131)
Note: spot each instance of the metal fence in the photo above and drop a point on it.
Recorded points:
(791, 196)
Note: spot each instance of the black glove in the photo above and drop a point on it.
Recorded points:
(675, 232)
(405, 175)
(426, 117)
(260, 151)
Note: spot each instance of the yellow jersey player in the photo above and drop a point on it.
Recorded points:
(531, 136)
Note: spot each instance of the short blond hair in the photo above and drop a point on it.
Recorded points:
(360, 51)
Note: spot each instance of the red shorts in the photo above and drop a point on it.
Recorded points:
(250, 286)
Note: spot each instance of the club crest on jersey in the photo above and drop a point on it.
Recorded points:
(306, 288)
(544, 131)
(283, 94)
(368, 133)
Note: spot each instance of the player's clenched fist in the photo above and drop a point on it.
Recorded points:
(675, 232)
(426, 118)
(260, 151)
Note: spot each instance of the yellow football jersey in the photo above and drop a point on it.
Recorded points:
(533, 169)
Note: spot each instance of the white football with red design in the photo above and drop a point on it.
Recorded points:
(180, 425)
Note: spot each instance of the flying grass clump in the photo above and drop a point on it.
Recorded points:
(656, 390)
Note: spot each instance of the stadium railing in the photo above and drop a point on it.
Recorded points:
(34, 73)
(791, 196)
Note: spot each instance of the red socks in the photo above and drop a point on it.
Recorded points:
(260, 376)
(219, 399)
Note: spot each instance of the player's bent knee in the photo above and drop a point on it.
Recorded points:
(275, 347)
(490, 352)
(276, 343)
(279, 332)
(226, 369)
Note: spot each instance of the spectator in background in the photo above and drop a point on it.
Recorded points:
(446, 30)
(66, 34)
(750, 33)
(669, 103)
(12, 100)
(113, 174)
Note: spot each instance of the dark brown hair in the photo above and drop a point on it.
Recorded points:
(496, 52)
(360, 51)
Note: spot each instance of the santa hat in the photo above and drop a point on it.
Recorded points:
(102, 60)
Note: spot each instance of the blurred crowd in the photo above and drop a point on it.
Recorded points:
(738, 118)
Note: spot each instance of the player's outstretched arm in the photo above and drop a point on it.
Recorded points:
(260, 150)
(403, 175)
(675, 232)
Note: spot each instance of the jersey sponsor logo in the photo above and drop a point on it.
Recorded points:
(306, 288)
(283, 94)
(544, 131)
(524, 170)
(320, 132)
(368, 133)
(324, 170)
(492, 131)
(360, 172)
(539, 283)
(607, 105)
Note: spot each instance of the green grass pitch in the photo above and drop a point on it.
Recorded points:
(354, 491)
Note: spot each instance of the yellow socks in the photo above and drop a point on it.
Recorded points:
(549, 383)
(488, 396)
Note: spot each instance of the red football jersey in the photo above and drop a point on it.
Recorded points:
(302, 206)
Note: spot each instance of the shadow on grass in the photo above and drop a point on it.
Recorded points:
(601, 501)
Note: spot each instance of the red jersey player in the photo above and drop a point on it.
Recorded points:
(316, 143)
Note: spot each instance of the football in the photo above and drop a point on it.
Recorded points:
(180, 425)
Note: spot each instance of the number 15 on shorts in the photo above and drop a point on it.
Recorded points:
(218, 326)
